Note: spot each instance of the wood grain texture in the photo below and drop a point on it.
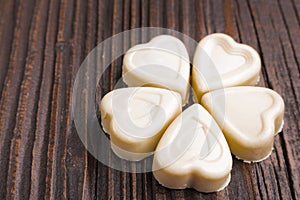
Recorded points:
(42, 46)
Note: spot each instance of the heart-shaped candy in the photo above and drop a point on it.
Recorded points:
(221, 62)
(250, 117)
(193, 153)
(163, 62)
(135, 119)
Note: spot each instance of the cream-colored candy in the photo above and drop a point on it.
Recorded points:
(250, 117)
(221, 62)
(136, 118)
(193, 153)
(163, 62)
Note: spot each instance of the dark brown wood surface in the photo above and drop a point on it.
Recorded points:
(42, 44)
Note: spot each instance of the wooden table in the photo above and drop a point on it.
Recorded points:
(42, 46)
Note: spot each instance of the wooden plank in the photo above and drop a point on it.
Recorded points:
(76, 169)
(22, 143)
(43, 45)
(40, 148)
(10, 106)
(56, 178)
(7, 23)
(90, 168)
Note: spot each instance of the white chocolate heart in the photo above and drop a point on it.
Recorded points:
(250, 117)
(221, 62)
(193, 153)
(136, 118)
(163, 62)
